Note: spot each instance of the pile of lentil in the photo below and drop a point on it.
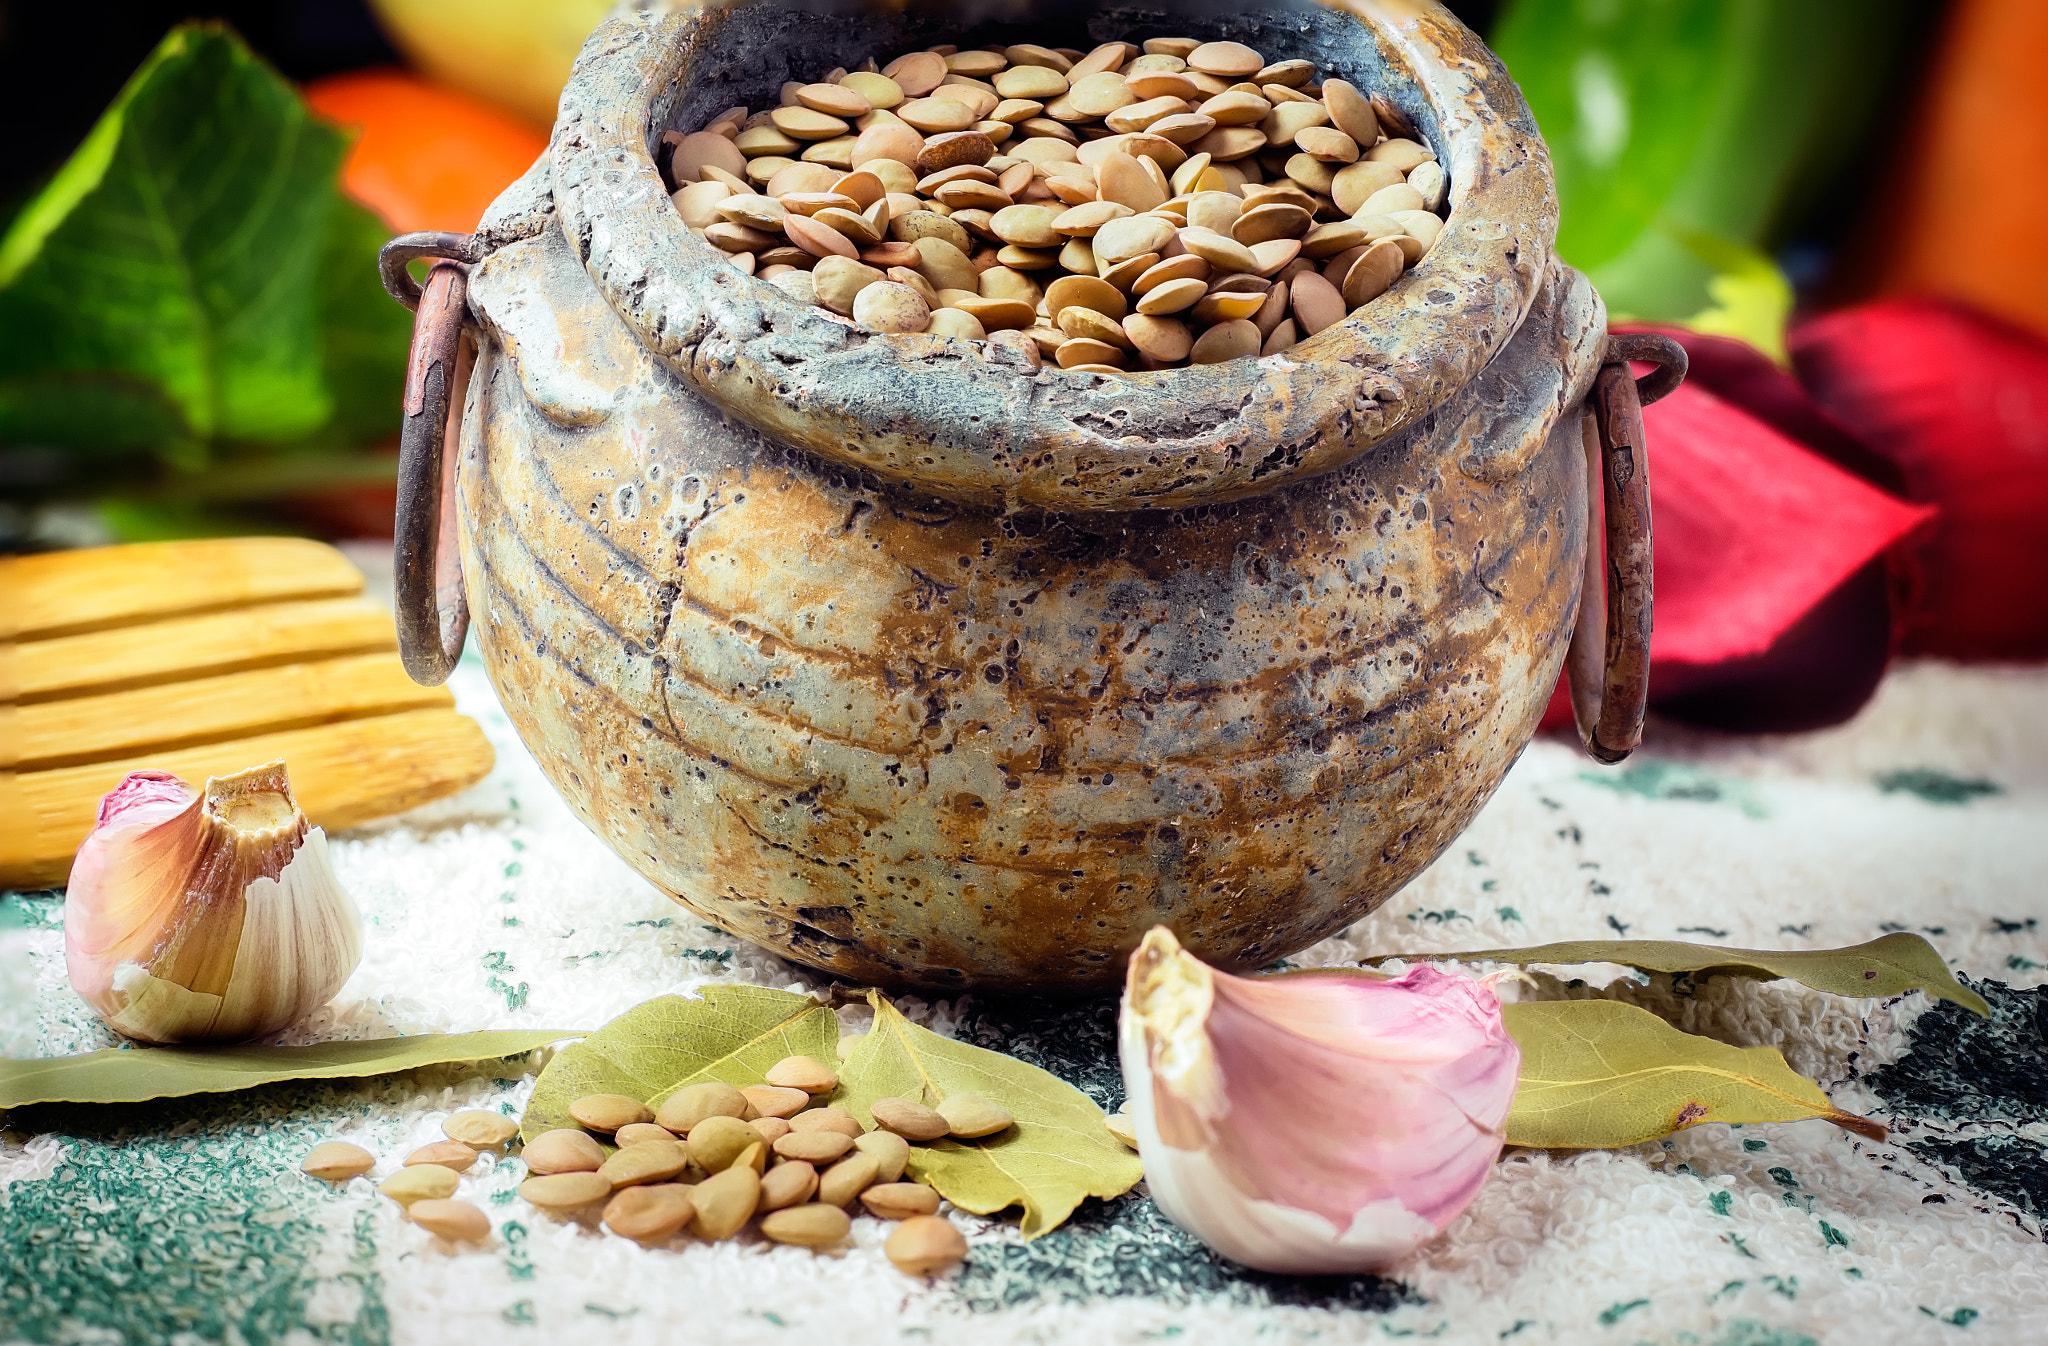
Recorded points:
(1121, 208)
(708, 1161)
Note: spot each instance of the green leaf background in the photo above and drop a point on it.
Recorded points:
(191, 287)
(364, 336)
(1688, 134)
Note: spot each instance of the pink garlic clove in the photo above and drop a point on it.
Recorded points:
(1315, 1122)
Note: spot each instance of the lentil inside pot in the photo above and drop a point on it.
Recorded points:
(1128, 207)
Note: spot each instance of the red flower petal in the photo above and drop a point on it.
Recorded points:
(1752, 528)
(1771, 584)
(1959, 403)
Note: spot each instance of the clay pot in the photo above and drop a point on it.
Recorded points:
(926, 666)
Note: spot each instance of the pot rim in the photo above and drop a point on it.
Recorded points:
(951, 416)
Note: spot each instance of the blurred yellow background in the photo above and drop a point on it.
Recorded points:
(514, 53)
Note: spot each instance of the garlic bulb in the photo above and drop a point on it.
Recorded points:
(1316, 1121)
(209, 917)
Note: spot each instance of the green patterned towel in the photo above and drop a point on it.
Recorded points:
(188, 1222)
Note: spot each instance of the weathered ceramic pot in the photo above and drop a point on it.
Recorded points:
(928, 667)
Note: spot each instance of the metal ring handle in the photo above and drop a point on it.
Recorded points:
(1609, 659)
(1650, 348)
(433, 614)
(400, 252)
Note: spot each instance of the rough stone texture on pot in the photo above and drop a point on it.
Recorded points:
(932, 669)
(917, 741)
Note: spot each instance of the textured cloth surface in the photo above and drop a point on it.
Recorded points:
(188, 1221)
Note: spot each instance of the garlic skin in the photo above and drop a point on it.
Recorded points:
(1312, 1122)
(206, 917)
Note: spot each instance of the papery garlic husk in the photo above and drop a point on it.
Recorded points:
(1312, 1122)
(206, 917)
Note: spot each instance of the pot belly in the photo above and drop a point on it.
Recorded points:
(917, 743)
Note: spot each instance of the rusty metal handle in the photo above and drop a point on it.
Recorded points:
(1609, 660)
(401, 252)
(433, 614)
(1652, 348)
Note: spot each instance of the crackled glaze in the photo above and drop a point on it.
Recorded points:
(931, 669)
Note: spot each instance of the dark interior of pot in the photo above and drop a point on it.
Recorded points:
(758, 45)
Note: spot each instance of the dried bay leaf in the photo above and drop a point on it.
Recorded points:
(731, 1035)
(1599, 1074)
(1892, 965)
(136, 1074)
(1058, 1152)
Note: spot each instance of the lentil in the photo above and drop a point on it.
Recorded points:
(1035, 170)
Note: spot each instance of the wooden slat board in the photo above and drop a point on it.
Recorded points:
(343, 774)
(203, 658)
(189, 647)
(112, 586)
(80, 729)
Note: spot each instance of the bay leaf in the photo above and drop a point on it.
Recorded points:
(1893, 965)
(1058, 1152)
(1599, 1074)
(136, 1074)
(731, 1035)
